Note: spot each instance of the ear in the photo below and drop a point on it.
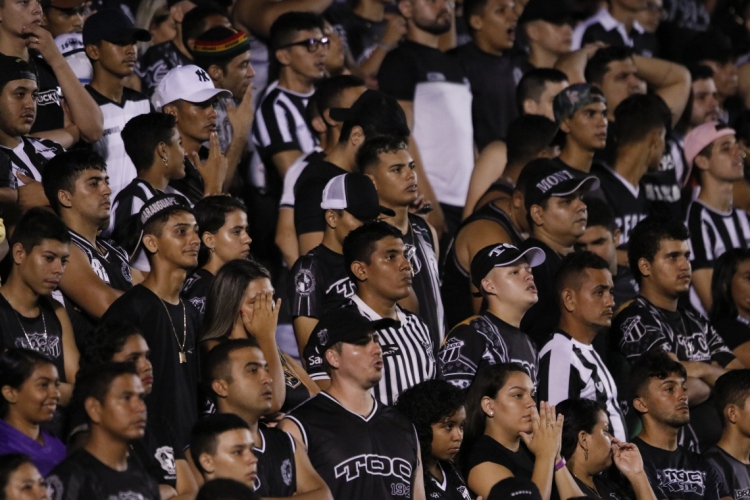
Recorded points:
(529, 106)
(161, 151)
(640, 405)
(333, 358)
(94, 409)
(357, 137)
(170, 109)
(215, 72)
(532, 32)
(207, 462)
(319, 125)
(583, 440)
(330, 217)
(644, 266)
(150, 242)
(208, 239)
(488, 406)
(63, 198)
(220, 387)
(10, 394)
(564, 126)
(702, 162)
(93, 52)
(537, 214)
(359, 269)
(284, 57)
(405, 8)
(517, 200)
(476, 22)
(568, 299)
(19, 254)
(617, 237)
(488, 286)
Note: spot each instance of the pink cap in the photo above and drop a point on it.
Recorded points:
(701, 136)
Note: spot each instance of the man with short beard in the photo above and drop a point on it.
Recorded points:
(659, 395)
(434, 91)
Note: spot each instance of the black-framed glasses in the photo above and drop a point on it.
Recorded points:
(312, 44)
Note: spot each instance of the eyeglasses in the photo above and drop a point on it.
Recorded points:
(312, 44)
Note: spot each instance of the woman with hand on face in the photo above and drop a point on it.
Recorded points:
(506, 436)
(20, 479)
(30, 387)
(590, 449)
(239, 305)
(436, 408)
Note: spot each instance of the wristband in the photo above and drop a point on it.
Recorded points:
(559, 465)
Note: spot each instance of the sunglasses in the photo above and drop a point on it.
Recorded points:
(312, 44)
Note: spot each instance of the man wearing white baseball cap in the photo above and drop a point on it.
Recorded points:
(502, 274)
(188, 93)
(715, 224)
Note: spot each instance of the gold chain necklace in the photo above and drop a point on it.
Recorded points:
(182, 355)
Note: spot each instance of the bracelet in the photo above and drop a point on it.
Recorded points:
(559, 465)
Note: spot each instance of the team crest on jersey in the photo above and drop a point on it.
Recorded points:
(464, 492)
(633, 330)
(55, 488)
(451, 350)
(682, 481)
(323, 336)
(199, 303)
(411, 254)
(286, 471)
(126, 272)
(291, 380)
(40, 342)
(304, 282)
(165, 456)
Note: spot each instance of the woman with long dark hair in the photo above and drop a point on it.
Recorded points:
(223, 229)
(730, 290)
(436, 408)
(30, 393)
(590, 449)
(240, 305)
(506, 436)
(20, 479)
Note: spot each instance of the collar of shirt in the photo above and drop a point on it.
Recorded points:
(609, 23)
(370, 313)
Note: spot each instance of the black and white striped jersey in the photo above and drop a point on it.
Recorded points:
(408, 353)
(569, 369)
(712, 233)
(279, 126)
(29, 158)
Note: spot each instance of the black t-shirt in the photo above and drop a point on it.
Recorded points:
(680, 474)
(296, 392)
(452, 487)
(360, 35)
(493, 88)
(277, 469)
(626, 287)
(42, 334)
(308, 194)
(540, 321)
(369, 457)
(484, 341)
(196, 287)
(110, 262)
(520, 463)
(319, 283)
(192, 185)
(426, 282)
(156, 63)
(735, 331)
(606, 31)
(629, 204)
(456, 287)
(49, 111)
(605, 489)
(733, 473)
(174, 394)
(82, 475)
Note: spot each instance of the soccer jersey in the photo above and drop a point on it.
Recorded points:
(319, 283)
(277, 469)
(408, 353)
(157, 62)
(49, 110)
(42, 334)
(484, 341)
(540, 321)
(44, 456)
(628, 203)
(169, 331)
(370, 457)
(456, 287)
(29, 157)
(82, 475)
(680, 474)
(602, 27)
(734, 331)
(734, 474)
(569, 369)
(452, 487)
(279, 126)
(290, 179)
(439, 88)
(196, 287)
(111, 147)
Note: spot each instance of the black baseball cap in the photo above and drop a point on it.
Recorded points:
(155, 207)
(515, 488)
(15, 68)
(375, 110)
(501, 255)
(356, 194)
(348, 326)
(551, 11)
(112, 26)
(555, 181)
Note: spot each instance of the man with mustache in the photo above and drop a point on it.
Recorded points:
(659, 256)
(659, 387)
(110, 41)
(503, 276)
(569, 367)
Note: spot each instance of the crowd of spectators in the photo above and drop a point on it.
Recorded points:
(374, 249)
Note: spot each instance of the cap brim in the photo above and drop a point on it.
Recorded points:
(204, 95)
(534, 256)
(588, 184)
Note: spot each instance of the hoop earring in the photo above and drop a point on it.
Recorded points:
(164, 159)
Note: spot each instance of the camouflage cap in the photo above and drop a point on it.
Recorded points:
(575, 97)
